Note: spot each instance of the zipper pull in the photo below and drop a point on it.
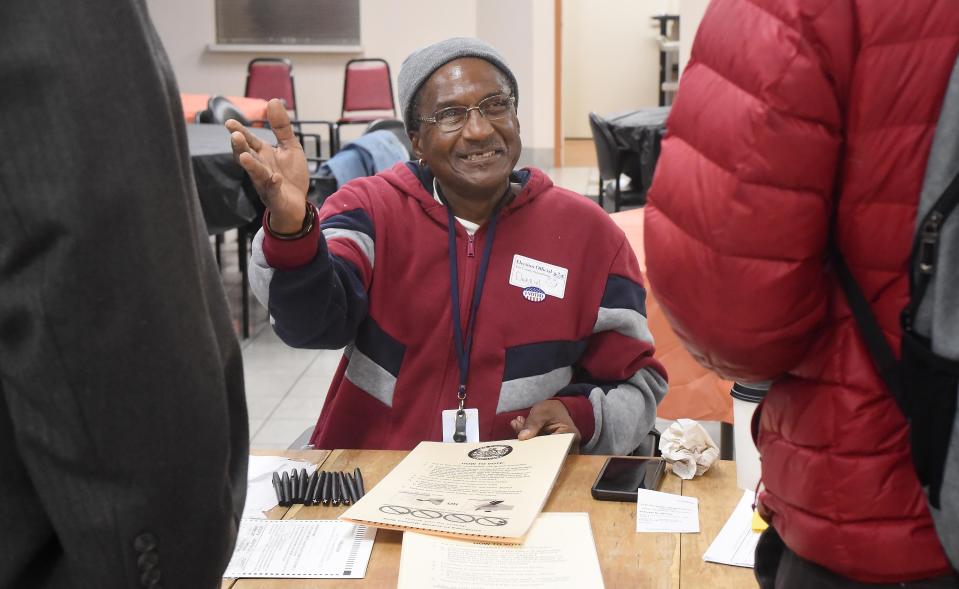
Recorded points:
(929, 238)
(470, 249)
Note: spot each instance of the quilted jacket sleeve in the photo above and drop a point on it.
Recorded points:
(738, 217)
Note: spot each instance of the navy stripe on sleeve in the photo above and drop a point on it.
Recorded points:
(355, 220)
(380, 347)
(541, 357)
(623, 293)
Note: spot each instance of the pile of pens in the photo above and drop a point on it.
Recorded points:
(328, 488)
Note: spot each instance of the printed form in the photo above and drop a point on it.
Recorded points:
(736, 542)
(558, 553)
(301, 548)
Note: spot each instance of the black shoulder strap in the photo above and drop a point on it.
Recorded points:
(882, 354)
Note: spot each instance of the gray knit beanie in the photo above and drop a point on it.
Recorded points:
(420, 65)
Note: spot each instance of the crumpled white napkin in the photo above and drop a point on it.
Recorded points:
(686, 445)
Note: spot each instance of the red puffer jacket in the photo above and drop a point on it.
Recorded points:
(793, 115)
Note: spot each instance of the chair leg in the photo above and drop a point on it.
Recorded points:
(616, 197)
(334, 139)
(218, 241)
(241, 237)
(601, 191)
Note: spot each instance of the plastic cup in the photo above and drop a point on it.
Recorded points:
(745, 400)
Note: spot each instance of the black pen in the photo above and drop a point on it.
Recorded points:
(294, 487)
(327, 487)
(359, 481)
(310, 488)
(344, 490)
(318, 489)
(351, 485)
(304, 480)
(287, 490)
(278, 487)
(335, 497)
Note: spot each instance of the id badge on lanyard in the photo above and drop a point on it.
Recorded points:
(462, 424)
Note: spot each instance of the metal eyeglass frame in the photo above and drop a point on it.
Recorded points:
(479, 106)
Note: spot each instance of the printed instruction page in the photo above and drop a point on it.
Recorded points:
(558, 553)
(489, 489)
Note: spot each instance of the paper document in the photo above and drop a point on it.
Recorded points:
(558, 552)
(260, 495)
(301, 548)
(488, 490)
(736, 542)
(665, 512)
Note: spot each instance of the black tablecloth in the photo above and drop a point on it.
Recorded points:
(227, 196)
(639, 133)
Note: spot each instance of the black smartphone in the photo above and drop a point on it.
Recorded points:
(622, 475)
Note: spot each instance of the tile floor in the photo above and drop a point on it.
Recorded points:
(285, 387)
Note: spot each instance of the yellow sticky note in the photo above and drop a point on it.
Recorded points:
(759, 524)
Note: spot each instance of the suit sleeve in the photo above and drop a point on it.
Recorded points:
(315, 287)
(618, 383)
(738, 216)
(123, 424)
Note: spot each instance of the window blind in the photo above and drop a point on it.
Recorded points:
(288, 22)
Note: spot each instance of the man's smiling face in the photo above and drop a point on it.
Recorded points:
(475, 161)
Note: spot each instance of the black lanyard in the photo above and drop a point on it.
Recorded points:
(465, 345)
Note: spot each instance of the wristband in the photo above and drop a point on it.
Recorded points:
(308, 221)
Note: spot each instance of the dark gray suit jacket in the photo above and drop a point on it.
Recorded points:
(123, 427)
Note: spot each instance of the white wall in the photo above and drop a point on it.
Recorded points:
(523, 31)
(690, 14)
(610, 58)
(520, 29)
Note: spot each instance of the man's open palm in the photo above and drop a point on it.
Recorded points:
(279, 173)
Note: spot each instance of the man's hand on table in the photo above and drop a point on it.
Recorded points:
(546, 418)
(279, 173)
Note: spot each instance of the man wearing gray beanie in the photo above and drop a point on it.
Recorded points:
(421, 64)
(476, 302)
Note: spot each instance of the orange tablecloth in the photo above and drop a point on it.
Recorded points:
(694, 392)
(252, 108)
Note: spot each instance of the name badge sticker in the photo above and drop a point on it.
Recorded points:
(536, 277)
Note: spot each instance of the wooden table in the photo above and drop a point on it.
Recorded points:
(628, 560)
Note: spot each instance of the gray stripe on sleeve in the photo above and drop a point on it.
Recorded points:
(260, 272)
(520, 393)
(625, 415)
(628, 322)
(363, 241)
(370, 377)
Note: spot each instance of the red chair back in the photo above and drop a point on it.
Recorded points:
(268, 78)
(367, 86)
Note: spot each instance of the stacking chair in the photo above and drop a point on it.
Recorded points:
(367, 93)
(610, 160)
(271, 77)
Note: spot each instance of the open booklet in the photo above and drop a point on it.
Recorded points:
(489, 490)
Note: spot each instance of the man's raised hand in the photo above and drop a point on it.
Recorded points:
(279, 173)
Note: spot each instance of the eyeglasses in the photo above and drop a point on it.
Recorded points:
(453, 118)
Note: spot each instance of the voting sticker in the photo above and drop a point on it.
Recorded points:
(536, 277)
(472, 425)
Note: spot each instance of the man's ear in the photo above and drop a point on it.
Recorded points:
(415, 141)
